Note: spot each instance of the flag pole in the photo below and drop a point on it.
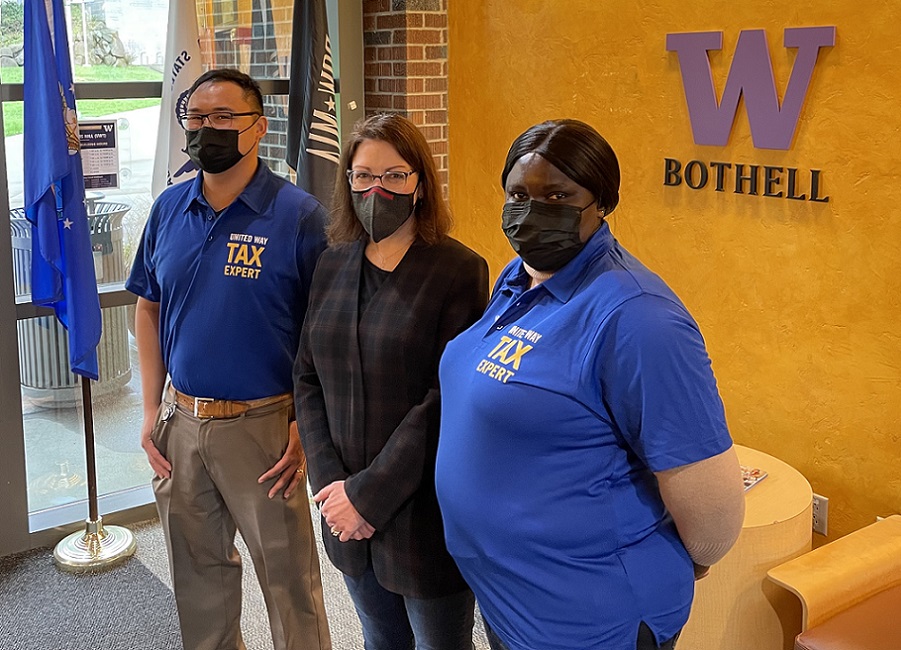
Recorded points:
(62, 269)
(99, 546)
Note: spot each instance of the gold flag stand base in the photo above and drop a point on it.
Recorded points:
(98, 547)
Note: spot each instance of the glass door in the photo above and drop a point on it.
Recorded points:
(42, 455)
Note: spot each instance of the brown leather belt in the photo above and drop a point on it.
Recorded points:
(209, 408)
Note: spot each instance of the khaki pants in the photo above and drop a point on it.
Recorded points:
(213, 488)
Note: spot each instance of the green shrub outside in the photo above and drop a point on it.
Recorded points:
(13, 25)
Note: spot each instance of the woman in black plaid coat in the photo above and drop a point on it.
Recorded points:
(389, 293)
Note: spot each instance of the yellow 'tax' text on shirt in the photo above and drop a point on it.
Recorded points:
(244, 259)
(510, 353)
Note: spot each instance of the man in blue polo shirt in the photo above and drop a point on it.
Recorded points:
(222, 275)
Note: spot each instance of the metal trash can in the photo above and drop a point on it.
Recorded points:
(43, 343)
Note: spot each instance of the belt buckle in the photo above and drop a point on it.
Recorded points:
(198, 400)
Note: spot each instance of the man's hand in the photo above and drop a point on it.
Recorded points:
(341, 515)
(153, 378)
(291, 470)
(161, 467)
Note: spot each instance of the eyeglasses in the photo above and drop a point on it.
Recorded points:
(394, 181)
(217, 120)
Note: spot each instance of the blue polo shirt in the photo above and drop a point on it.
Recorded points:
(232, 288)
(557, 407)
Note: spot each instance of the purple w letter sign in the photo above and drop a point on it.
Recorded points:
(751, 76)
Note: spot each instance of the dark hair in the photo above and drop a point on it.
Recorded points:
(577, 150)
(433, 220)
(252, 93)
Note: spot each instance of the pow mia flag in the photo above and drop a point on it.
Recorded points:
(314, 144)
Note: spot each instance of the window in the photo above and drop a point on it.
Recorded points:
(118, 48)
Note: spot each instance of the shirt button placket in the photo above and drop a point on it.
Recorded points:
(210, 217)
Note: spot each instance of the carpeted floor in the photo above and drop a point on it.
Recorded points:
(131, 606)
(46, 609)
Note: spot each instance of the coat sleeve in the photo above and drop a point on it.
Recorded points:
(397, 472)
(323, 461)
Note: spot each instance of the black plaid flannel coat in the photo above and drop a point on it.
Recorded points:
(367, 401)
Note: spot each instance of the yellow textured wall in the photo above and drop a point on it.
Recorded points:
(800, 302)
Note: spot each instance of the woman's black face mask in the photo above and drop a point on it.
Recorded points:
(381, 211)
(544, 235)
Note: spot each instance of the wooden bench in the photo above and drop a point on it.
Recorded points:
(850, 590)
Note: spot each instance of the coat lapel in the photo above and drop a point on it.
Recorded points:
(405, 280)
(346, 284)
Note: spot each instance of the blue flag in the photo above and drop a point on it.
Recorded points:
(62, 263)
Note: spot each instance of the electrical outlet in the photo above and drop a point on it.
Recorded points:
(820, 514)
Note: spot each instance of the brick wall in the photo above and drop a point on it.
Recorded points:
(269, 60)
(275, 145)
(405, 66)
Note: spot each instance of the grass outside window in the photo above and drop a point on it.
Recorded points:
(87, 108)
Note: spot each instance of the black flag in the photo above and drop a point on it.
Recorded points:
(314, 143)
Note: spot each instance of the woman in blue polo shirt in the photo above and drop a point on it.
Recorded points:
(585, 472)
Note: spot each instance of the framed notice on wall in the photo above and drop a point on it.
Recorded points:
(99, 153)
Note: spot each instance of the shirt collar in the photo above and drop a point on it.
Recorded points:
(254, 196)
(564, 282)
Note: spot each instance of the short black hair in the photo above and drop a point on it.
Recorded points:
(576, 149)
(252, 93)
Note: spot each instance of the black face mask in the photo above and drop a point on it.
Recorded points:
(544, 235)
(382, 211)
(214, 150)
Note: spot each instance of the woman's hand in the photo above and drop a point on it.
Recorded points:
(340, 514)
(363, 532)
